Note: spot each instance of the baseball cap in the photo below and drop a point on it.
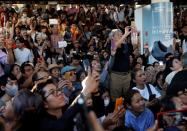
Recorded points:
(67, 68)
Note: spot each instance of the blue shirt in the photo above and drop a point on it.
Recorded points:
(139, 123)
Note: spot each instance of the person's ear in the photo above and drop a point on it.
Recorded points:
(134, 80)
(46, 105)
(3, 88)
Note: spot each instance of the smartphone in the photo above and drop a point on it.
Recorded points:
(152, 97)
(119, 103)
(172, 118)
(67, 76)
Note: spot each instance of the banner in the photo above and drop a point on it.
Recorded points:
(155, 23)
(162, 30)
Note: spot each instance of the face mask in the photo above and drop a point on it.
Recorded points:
(11, 90)
(106, 102)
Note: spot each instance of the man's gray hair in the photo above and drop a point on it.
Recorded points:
(113, 32)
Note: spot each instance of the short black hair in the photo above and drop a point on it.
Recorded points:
(148, 65)
(167, 55)
(12, 77)
(133, 73)
(39, 87)
(4, 79)
(156, 62)
(160, 73)
(129, 94)
(22, 68)
(135, 63)
(12, 67)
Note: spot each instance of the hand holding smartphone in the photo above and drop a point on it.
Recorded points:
(119, 103)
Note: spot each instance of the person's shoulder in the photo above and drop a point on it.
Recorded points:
(26, 50)
(181, 75)
(135, 88)
(150, 85)
(183, 72)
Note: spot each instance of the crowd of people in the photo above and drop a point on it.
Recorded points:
(79, 68)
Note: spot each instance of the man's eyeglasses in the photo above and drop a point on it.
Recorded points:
(54, 92)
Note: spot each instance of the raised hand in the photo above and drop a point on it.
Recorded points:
(127, 31)
(91, 82)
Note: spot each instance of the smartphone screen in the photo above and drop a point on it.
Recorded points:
(170, 119)
(119, 103)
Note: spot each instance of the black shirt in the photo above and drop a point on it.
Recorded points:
(98, 106)
(122, 60)
(65, 123)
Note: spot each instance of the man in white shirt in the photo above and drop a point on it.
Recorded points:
(21, 53)
(145, 93)
(121, 13)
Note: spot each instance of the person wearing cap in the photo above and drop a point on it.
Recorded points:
(71, 86)
(54, 71)
(21, 53)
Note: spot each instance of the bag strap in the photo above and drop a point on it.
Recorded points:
(149, 89)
